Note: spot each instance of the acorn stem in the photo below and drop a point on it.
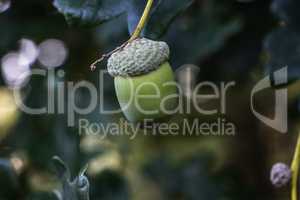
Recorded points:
(295, 170)
(142, 21)
(134, 36)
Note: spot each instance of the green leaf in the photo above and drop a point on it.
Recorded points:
(94, 12)
(63, 172)
(201, 33)
(163, 15)
(76, 189)
(90, 12)
(288, 11)
(282, 46)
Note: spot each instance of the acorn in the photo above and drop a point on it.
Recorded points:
(144, 80)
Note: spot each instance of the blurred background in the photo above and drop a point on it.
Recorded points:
(228, 40)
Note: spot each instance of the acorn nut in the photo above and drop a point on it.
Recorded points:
(144, 80)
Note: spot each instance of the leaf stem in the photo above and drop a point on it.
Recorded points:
(142, 21)
(295, 170)
(135, 35)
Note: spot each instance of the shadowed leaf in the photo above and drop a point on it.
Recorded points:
(282, 47)
(84, 12)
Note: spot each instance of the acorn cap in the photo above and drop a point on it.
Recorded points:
(138, 57)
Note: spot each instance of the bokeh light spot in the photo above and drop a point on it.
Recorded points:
(28, 52)
(4, 5)
(52, 53)
(14, 72)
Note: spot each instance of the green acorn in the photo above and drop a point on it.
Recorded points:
(144, 80)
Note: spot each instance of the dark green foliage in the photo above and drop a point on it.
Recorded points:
(109, 185)
(163, 13)
(204, 31)
(287, 11)
(82, 12)
(190, 179)
(224, 38)
(9, 178)
(283, 46)
(72, 188)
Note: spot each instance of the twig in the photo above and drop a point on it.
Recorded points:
(93, 65)
(142, 21)
(134, 36)
(295, 170)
